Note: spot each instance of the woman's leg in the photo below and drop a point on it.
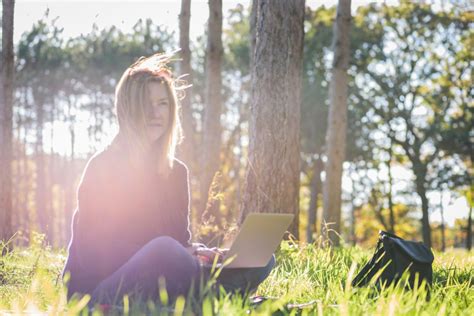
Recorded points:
(138, 277)
(244, 280)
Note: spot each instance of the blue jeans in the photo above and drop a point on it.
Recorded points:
(164, 257)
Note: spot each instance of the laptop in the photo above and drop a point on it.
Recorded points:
(257, 240)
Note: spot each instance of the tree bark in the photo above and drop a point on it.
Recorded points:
(40, 191)
(21, 210)
(443, 230)
(70, 175)
(420, 174)
(53, 218)
(6, 119)
(316, 184)
(353, 237)
(17, 213)
(390, 189)
(469, 229)
(187, 147)
(337, 125)
(253, 29)
(212, 125)
(272, 176)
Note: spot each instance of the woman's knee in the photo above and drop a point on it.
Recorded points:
(168, 251)
(260, 274)
(165, 247)
(164, 243)
(271, 264)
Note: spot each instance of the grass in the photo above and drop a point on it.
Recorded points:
(29, 283)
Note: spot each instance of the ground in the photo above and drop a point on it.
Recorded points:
(30, 283)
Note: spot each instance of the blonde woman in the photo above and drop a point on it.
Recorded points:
(131, 226)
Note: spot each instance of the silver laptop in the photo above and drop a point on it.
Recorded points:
(257, 240)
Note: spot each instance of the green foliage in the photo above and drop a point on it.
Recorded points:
(417, 84)
(236, 41)
(416, 97)
(304, 274)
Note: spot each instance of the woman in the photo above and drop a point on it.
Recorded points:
(131, 226)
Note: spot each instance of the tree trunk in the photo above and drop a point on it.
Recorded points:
(390, 189)
(6, 119)
(316, 184)
(421, 191)
(337, 125)
(70, 175)
(212, 125)
(40, 192)
(272, 176)
(53, 218)
(187, 147)
(253, 29)
(443, 230)
(22, 210)
(469, 229)
(353, 237)
(17, 212)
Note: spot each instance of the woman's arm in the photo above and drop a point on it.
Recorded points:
(99, 249)
(183, 203)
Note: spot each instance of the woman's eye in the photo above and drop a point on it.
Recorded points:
(156, 105)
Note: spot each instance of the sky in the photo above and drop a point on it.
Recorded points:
(77, 17)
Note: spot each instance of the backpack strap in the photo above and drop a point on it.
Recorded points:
(362, 277)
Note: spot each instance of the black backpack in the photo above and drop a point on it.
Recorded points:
(395, 256)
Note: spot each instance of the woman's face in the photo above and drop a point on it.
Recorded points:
(158, 111)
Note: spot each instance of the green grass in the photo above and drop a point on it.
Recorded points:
(29, 283)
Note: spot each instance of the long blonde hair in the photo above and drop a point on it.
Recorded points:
(130, 108)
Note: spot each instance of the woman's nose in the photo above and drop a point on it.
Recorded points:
(155, 111)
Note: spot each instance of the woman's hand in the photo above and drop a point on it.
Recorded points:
(194, 246)
(209, 255)
(205, 254)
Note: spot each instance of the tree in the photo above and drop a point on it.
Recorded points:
(402, 83)
(317, 72)
(213, 99)
(186, 70)
(455, 86)
(468, 195)
(313, 124)
(337, 125)
(6, 119)
(272, 176)
(40, 57)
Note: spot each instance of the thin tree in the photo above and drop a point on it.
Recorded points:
(388, 164)
(213, 97)
(253, 30)
(40, 164)
(469, 197)
(337, 125)
(442, 227)
(187, 151)
(315, 189)
(272, 176)
(469, 229)
(6, 119)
